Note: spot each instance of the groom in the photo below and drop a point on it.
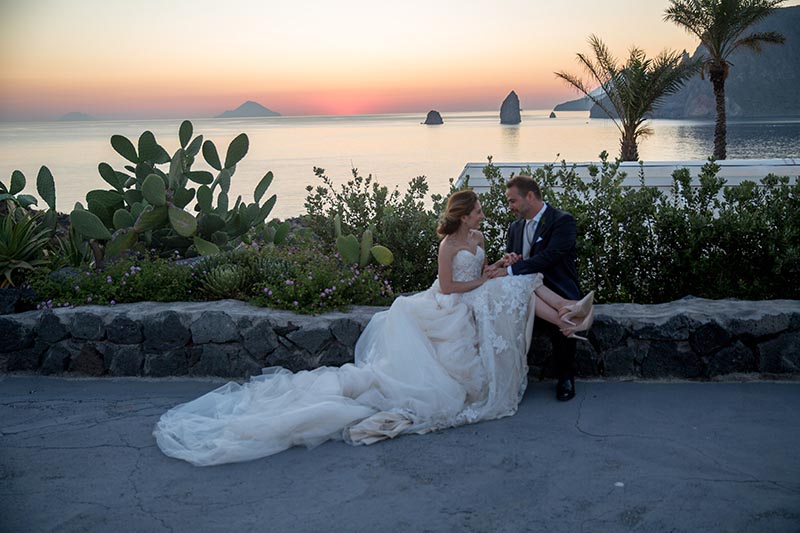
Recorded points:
(542, 240)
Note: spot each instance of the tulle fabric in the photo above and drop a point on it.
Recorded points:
(431, 361)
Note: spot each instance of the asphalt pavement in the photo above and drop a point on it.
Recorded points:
(78, 455)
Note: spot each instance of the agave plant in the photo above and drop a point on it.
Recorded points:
(71, 250)
(225, 281)
(22, 243)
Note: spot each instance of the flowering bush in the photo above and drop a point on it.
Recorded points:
(157, 280)
(303, 277)
(308, 280)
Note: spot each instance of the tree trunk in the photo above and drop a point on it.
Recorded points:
(629, 151)
(717, 74)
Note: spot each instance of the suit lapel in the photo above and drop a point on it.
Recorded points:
(518, 231)
(544, 222)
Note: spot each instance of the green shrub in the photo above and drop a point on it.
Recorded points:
(305, 277)
(646, 246)
(401, 223)
(126, 281)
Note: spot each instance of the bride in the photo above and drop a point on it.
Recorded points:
(451, 355)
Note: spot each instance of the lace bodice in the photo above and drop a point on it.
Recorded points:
(466, 265)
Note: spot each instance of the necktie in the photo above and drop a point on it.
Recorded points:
(527, 244)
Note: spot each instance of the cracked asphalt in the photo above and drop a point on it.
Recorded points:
(78, 455)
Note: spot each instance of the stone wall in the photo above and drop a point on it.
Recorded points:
(690, 338)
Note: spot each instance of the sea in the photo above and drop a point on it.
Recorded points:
(393, 148)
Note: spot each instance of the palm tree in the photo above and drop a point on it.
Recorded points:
(720, 25)
(631, 91)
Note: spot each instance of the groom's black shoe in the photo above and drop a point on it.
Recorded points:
(565, 390)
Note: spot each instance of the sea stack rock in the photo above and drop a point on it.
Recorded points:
(552, 114)
(433, 118)
(509, 111)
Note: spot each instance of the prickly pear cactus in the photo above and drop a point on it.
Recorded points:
(148, 204)
(355, 252)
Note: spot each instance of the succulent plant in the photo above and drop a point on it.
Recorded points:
(272, 233)
(23, 238)
(225, 281)
(45, 186)
(355, 252)
(148, 205)
(71, 250)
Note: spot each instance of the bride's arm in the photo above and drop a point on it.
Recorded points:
(482, 244)
(503, 262)
(446, 283)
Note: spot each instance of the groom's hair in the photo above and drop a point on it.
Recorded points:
(524, 185)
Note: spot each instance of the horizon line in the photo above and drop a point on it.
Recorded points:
(279, 116)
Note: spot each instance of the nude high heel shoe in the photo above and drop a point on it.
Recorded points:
(583, 325)
(579, 309)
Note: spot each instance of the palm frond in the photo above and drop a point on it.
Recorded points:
(755, 40)
(720, 24)
(632, 89)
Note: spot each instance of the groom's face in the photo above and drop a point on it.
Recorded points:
(520, 205)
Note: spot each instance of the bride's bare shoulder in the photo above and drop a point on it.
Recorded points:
(478, 236)
(446, 246)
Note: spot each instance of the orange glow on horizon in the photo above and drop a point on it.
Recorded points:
(115, 60)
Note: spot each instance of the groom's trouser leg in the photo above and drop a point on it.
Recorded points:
(563, 348)
(564, 354)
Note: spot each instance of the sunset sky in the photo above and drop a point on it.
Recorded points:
(197, 58)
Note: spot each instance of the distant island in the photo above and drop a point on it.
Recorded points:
(249, 109)
(581, 104)
(75, 116)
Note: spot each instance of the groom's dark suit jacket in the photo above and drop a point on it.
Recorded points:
(553, 251)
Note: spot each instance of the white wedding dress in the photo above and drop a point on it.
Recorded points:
(431, 361)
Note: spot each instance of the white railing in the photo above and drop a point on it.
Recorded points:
(656, 173)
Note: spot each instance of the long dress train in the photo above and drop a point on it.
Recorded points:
(431, 361)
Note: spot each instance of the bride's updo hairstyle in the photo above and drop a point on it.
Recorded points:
(459, 204)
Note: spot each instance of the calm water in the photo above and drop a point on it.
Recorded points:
(394, 148)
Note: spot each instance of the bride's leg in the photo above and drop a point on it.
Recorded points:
(551, 298)
(546, 312)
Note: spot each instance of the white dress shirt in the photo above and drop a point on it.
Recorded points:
(528, 233)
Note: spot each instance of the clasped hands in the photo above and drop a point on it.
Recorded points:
(499, 268)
